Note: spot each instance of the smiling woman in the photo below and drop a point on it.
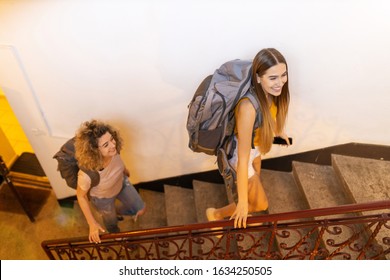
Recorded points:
(269, 81)
(274, 79)
(97, 148)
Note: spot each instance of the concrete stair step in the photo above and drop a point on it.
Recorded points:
(180, 205)
(321, 187)
(210, 195)
(155, 215)
(282, 192)
(284, 196)
(365, 180)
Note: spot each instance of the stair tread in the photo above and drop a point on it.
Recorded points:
(154, 216)
(282, 192)
(208, 195)
(366, 180)
(180, 205)
(284, 196)
(320, 185)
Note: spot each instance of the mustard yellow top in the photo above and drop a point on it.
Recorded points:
(273, 110)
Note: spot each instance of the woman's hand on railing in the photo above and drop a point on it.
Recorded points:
(240, 215)
(94, 231)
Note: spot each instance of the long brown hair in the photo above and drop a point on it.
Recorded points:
(86, 143)
(264, 60)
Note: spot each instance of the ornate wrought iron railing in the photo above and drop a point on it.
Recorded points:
(356, 231)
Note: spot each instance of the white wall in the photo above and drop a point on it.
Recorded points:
(137, 63)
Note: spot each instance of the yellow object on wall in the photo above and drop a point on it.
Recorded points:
(11, 128)
(6, 151)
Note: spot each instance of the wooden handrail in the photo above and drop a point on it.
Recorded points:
(301, 214)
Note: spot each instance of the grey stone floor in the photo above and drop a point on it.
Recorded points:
(21, 239)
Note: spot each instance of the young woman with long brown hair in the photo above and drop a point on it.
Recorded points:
(270, 83)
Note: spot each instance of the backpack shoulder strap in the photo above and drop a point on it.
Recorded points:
(94, 175)
(69, 148)
(251, 95)
(66, 158)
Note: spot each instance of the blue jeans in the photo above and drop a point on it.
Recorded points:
(131, 203)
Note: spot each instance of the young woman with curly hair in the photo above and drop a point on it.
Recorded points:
(97, 147)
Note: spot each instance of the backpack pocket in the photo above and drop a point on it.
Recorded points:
(228, 174)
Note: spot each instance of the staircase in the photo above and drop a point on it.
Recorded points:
(348, 180)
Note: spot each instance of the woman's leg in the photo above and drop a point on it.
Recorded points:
(257, 198)
(131, 201)
(106, 208)
(214, 214)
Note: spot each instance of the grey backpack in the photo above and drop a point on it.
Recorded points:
(211, 122)
(68, 167)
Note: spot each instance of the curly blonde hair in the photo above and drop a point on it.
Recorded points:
(86, 143)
